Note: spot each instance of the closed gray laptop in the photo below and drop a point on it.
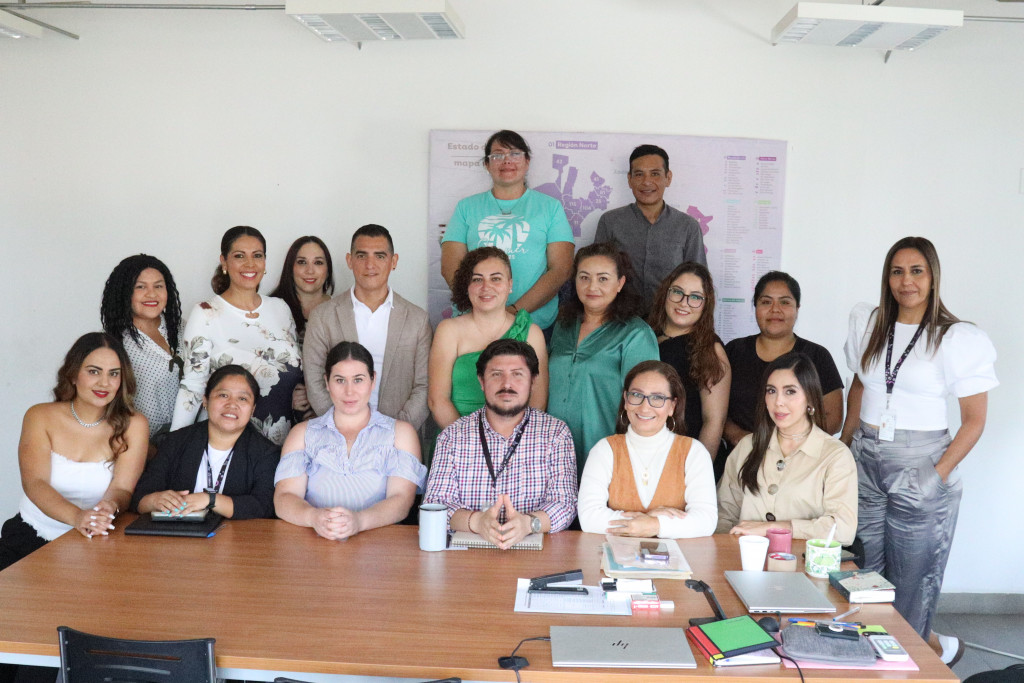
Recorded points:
(790, 592)
(621, 647)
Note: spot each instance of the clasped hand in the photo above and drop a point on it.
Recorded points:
(640, 524)
(515, 528)
(336, 523)
(98, 521)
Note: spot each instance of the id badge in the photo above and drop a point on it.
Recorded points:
(887, 426)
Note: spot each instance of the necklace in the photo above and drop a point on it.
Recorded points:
(251, 314)
(796, 437)
(79, 420)
(645, 477)
(507, 212)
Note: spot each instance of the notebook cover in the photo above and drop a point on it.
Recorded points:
(468, 539)
(736, 636)
(145, 526)
(864, 585)
(703, 645)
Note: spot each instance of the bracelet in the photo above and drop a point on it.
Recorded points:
(469, 522)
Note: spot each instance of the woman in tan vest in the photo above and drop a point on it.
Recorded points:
(649, 479)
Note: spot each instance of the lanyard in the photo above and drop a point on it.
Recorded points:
(210, 487)
(890, 376)
(511, 449)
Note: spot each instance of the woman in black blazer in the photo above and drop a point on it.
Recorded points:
(223, 464)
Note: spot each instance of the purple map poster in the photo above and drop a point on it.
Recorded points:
(734, 187)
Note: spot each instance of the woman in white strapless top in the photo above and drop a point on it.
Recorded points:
(80, 455)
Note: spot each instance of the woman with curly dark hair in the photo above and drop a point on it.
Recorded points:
(81, 454)
(481, 286)
(597, 340)
(683, 317)
(141, 307)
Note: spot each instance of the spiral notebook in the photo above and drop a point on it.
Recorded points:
(467, 539)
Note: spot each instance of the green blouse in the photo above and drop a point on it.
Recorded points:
(586, 380)
(467, 395)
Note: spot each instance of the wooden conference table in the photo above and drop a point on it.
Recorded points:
(279, 599)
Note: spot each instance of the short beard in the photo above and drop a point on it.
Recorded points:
(510, 411)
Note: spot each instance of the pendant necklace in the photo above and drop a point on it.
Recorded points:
(507, 212)
(87, 425)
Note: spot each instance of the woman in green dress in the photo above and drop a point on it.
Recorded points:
(481, 287)
(597, 339)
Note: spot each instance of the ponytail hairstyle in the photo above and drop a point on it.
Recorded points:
(220, 280)
(675, 389)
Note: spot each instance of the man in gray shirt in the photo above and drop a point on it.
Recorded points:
(656, 236)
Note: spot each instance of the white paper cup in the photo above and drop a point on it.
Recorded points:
(753, 551)
(822, 560)
(433, 527)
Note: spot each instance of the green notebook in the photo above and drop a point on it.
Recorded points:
(736, 636)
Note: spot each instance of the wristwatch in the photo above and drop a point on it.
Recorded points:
(213, 500)
(535, 525)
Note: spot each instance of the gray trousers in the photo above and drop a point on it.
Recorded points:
(907, 515)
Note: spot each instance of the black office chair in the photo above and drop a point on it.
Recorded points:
(453, 679)
(85, 658)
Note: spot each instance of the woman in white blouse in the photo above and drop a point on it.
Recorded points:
(141, 308)
(238, 326)
(910, 354)
(649, 479)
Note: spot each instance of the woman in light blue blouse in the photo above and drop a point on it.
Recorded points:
(351, 469)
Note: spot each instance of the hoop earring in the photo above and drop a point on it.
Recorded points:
(623, 420)
(671, 427)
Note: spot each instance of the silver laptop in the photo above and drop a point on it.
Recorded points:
(790, 592)
(628, 647)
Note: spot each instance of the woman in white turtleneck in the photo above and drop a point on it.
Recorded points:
(649, 479)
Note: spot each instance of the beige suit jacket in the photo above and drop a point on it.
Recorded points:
(403, 380)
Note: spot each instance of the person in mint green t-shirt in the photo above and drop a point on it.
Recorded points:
(529, 226)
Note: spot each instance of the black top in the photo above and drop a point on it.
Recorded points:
(748, 369)
(250, 477)
(676, 352)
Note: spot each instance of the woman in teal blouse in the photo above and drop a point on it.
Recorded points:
(597, 339)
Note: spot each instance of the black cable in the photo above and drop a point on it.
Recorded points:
(514, 663)
(777, 651)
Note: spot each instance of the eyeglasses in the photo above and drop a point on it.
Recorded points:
(676, 295)
(635, 398)
(515, 155)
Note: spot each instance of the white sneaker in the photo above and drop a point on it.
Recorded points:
(952, 649)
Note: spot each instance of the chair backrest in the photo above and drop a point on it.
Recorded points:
(453, 679)
(85, 658)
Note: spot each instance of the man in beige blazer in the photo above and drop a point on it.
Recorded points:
(396, 332)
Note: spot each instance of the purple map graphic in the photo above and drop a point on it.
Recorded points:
(576, 208)
(704, 221)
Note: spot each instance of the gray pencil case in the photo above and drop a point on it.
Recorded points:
(803, 643)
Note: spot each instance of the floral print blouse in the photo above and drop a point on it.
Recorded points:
(218, 334)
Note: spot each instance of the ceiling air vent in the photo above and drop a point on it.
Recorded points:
(359, 21)
(872, 26)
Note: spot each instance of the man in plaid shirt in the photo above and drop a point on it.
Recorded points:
(506, 470)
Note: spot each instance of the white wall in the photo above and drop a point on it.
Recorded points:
(160, 129)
